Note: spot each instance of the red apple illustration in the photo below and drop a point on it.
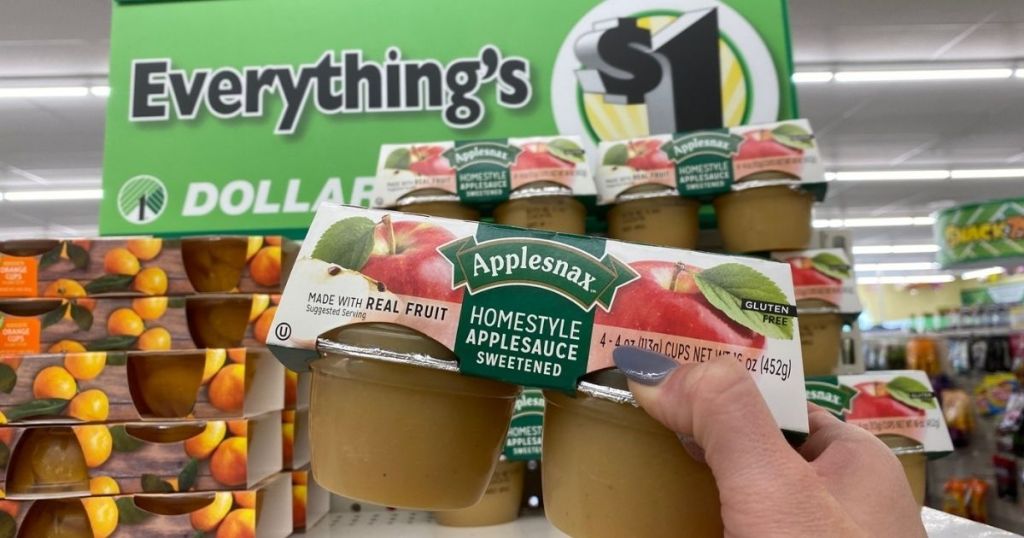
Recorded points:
(804, 273)
(873, 401)
(535, 156)
(761, 144)
(666, 299)
(647, 155)
(405, 259)
(429, 161)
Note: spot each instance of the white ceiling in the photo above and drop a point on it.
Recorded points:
(58, 142)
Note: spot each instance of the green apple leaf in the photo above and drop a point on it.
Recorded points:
(831, 265)
(616, 155)
(399, 159)
(347, 243)
(567, 150)
(8, 378)
(794, 136)
(912, 392)
(46, 407)
(726, 286)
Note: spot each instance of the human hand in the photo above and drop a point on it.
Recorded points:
(842, 481)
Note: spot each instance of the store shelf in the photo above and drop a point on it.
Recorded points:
(421, 524)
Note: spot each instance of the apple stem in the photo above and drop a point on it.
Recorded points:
(390, 230)
(680, 268)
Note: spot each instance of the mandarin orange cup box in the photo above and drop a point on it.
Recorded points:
(479, 171)
(49, 461)
(537, 308)
(44, 325)
(295, 450)
(142, 266)
(264, 510)
(310, 502)
(118, 386)
(296, 389)
(703, 164)
(825, 277)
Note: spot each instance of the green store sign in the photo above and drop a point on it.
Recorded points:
(228, 116)
(983, 233)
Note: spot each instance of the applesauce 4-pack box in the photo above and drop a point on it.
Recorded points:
(537, 308)
(142, 266)
(823, 278)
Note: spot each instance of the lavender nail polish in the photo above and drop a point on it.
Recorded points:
(643, 366)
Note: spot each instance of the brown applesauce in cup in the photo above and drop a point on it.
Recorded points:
(610, 470)
(543, 206)
(760, 219)
(47, 462)
(655, 215)
(385, 428)
(821, 335)
(56, 518)
(214, 264)
(166, 386)
(437, 203)
(914, 460)
(500, 503)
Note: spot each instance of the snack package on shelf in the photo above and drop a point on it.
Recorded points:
(119, 386)
(295, 438)
(50, 461)
(264, 510)
(296, 389)
(959, 413)
(310, 502)
(898, 406)
(33, 326)
(993, 393)
(74, 268)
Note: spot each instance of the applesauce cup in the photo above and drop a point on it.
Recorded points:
(610, 470)
(437, 203)
(821, 334)
(214, 264)
(655, 215)
(914, 460)
(763, 218)
(47, 462)
(543, 206)
(393, 422)
(500, 503)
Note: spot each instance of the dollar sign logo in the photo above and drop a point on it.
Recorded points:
(623, 66)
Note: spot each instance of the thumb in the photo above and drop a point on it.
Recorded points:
(718, 404)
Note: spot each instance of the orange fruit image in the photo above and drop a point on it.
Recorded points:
(202, 445)
(288, 415)
(103, 514)
(260, 302)
(215, 359)
(287, 442)
(66, 346)
(85, 366)
(54, 382)
(229, 462)
(265, 266)
(14, 362)
(240, 523)
(145, 248)
(90, 405)
(120, 261)
(273, 240)
(103, 485)
(245, 499)
(155, 339)
(255, 242)
(151, 281)
(237, 354)
(238, 427)
(299, 506)
(300, 477)
(262, 327)
(64, 287)
(208, 517)
(11, 507)
(124, 321)
(227, 390)
(150, 308)
(96, 443)
(291, 388)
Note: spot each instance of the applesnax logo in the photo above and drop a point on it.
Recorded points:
(723, 145)
(834, 397)
(486, 152)
(565, 270)
(630, 68)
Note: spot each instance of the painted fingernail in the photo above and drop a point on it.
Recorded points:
(643, 366)
(692, 448)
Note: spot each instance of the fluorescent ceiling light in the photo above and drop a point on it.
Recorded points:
(983, 273)
(892, 175)
(907, 279)
(895, 266)
(910, 75)
(870, 222)
(54, 91)
(830, 176)
(812, 77)
(53, 196)
(1020, 73)
(994, 173)
(895, 249)
(100, 91)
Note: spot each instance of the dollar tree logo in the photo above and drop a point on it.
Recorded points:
(142, 199)
(632, 68)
